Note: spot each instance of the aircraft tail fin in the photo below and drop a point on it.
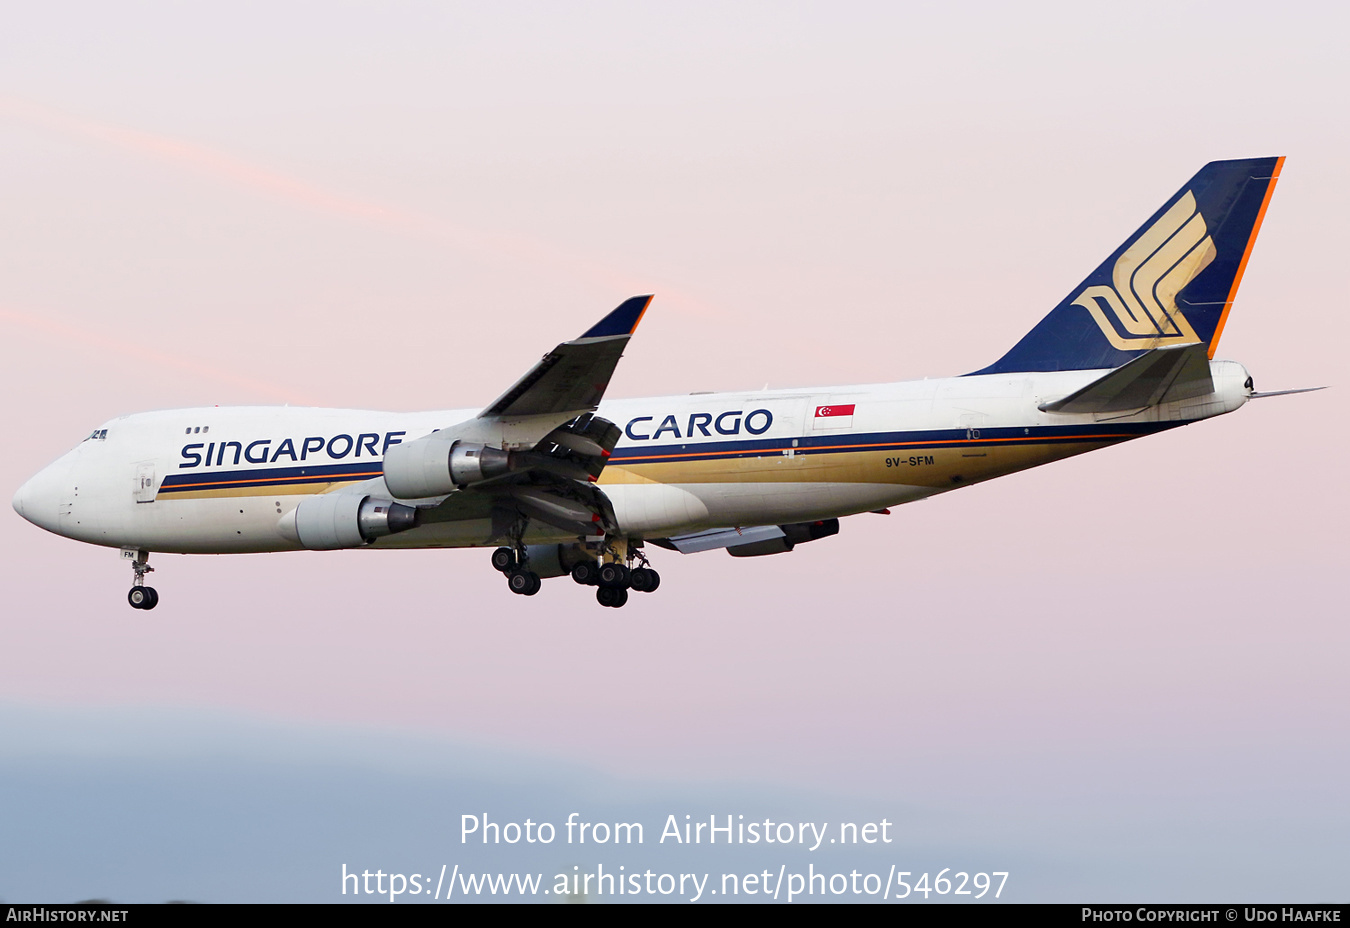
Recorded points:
(1171, 283)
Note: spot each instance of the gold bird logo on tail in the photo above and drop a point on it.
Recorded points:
(1140, 312)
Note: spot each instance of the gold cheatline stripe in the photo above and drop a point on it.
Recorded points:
(642, 458)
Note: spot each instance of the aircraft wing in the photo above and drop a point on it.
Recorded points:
(574, 375)
(555, 481)
(1158, 376)
(533, 453)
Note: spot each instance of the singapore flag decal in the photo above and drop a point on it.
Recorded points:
(839, 416)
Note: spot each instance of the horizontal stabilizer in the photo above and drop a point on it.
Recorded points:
(574, 375)
(1158, 376)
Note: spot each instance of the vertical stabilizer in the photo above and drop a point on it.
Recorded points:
(1171, 283)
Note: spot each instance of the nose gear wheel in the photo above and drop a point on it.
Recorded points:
(141, 596)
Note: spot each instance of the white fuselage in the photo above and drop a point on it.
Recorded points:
(221, 480)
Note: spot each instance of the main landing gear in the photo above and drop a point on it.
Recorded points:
(141, 596)
(615, 580)
(613, 577)
(519, 577)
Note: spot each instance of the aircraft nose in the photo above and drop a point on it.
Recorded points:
(20, 496)
(37, 500)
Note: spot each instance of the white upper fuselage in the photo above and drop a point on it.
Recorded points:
(220, 480)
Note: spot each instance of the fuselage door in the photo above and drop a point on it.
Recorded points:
(971, 423)
(145, 483)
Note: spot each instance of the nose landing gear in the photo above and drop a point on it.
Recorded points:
(140, 596)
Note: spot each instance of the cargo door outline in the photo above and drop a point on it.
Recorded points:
(145, 483)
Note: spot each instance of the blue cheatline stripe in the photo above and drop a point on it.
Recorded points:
(887, 441)
(280, 476)
(199, 480)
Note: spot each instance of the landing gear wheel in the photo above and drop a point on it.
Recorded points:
(586, 573)
(504, 559)
(612, 596)
(524, 582)
(644, 580)
(140, 596)
(613, 575)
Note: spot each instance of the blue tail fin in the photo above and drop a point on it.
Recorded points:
(1171, 283)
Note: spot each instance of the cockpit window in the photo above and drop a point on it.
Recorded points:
(98, 434)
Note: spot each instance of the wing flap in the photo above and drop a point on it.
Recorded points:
(725, 538)
(751, 541)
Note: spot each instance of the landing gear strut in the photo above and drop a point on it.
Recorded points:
(141, 596)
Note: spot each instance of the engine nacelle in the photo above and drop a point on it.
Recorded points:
(555, 560)
(471, 462)
(345, 520)
(434, 466)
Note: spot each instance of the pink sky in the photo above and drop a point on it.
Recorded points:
(403, 209)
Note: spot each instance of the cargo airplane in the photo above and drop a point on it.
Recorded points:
(562, 481)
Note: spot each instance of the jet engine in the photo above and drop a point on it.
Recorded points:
(437, 467)
(556, 560)
(345, 520)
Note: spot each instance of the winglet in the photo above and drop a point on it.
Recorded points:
(573, 376)
(623, 320)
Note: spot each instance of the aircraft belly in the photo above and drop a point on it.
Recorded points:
(219, 525)
(647, 508)
(973, 466)
(737, 504)
(468, 533)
